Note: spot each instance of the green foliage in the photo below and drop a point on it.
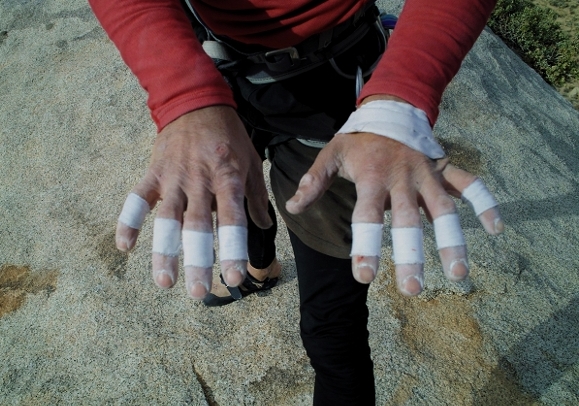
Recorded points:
(534, 33)
(558, 3)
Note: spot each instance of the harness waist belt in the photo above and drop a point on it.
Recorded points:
(274, 65)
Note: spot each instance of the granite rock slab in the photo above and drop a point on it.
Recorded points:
(81, 323)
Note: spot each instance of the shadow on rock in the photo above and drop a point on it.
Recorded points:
(540, 360)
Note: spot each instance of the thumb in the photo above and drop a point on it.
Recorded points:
(315, 182)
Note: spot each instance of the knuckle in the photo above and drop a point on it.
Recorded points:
(368, 213)
(440, 165)
(406, 210)
(174, 212)
(370, 179)
(229, 178)
(445, 204)
(307, 180)
(410, 214)
(222, 151)
(147, 188)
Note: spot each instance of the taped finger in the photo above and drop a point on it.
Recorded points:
(198, 259)
(130, 221)
(166, 250)
(451, 246)
(233, 253)
(365, 253)
(409, 259)
(407, 245)
(134, 211)
(484, 205)
(448, 231)
(478, 197)
(198, 249)
(167, 237)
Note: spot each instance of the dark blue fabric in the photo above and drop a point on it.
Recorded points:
(333, 326)
(261, 243)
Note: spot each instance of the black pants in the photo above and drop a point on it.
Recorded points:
(333, 322)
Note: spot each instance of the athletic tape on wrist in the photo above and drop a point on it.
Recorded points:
(366, 239)
(478, 196)
(167, 237)
(198, 249)
(398, 121)
(407, 245)
(447, 231)
(134, 211)
(232, 243)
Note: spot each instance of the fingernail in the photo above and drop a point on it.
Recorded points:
(235, 273)
(124, 244)
(412, 285)
(365, 267)
(198, 289)
(160, 274)
(458, 269)
(366, 272)
(499, 225)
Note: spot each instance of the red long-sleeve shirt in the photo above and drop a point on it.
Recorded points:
(156, 41)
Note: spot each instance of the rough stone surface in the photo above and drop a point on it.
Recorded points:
(81, 323)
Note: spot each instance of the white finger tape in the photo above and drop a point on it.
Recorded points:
(366, 239)
(407, 245)
(232, 243)
(478, 196)
(167, 237)
(398, 121)
(134, 211)
(198, 249)
(448, 231)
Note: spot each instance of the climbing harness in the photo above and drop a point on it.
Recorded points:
(268, 66)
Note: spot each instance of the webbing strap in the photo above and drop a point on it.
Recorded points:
(217, 50)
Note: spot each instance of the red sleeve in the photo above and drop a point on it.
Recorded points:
(426, 50)
(156, 41)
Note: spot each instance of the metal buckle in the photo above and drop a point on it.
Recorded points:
(280, 60)
(291, 51)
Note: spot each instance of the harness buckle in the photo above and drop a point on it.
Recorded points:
(280, 60)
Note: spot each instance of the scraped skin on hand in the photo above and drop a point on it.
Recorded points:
(202, 162)
(390, 175)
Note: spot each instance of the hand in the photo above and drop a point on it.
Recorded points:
(388, 174)
(202, 162)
